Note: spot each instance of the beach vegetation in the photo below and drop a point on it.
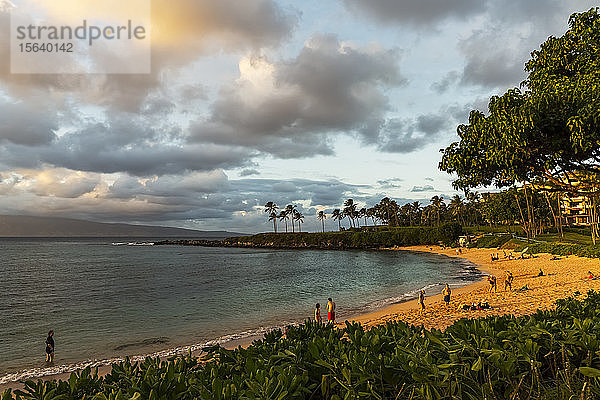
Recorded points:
(550, 354)
(356, 238)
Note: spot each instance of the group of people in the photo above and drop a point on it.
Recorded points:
(493, 281)
(446, 292)
(330, 312)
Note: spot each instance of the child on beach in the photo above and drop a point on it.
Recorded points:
(318, 313)
(330, 311)
(447, 292)
(50, 347)
(422, 301)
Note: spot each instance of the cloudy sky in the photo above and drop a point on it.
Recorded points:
(304, 102)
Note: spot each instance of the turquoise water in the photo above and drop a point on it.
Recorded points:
(105, 301)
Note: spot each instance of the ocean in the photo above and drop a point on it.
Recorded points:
(105, 302)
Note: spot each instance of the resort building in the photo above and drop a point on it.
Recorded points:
(575, 210)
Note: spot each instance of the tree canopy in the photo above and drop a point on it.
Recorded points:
(548, 128)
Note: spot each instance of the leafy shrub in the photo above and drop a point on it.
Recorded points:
(565, 249)
(549, 355)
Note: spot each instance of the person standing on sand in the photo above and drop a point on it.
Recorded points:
(330, 311)
(508, 281)
(422, 301)
(447, 292)
(50, 347)
(318, 313)
(492, 280)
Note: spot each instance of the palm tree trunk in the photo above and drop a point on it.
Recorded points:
(323, 225)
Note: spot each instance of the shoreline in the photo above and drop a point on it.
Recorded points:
(439, 316)
(564, 276)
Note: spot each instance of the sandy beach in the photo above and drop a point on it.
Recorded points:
(563, 277)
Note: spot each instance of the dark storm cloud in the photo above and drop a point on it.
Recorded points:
(287, 108)
(26, 124)
(123, 145)
(408, 135)
(417, 12)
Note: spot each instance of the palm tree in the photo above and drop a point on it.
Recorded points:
(371, 214)
(385, 209)
(362, 213)
(273, 217)
(283, 215)
(290, 209)
(437, 202)
(350, 210)
(271, 208)
(406, 211)
(457, 206)
(322, 217)
(300, 218)
(337, 214)
(416, 209)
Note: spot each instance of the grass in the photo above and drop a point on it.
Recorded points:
(570, 237)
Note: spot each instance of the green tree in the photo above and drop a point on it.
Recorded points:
(437, 203)
(290, 210)
(284, 216)
(339, 216)
(350, 211)
(322, 217)
(457, 208)
(548, 130)
(299, 218)
(272, 208)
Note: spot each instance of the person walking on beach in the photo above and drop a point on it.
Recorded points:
(50, 347)
(318, 313)
(492, 280)
(447, 292)
(422, 301)
(508, 281)
(330, 311)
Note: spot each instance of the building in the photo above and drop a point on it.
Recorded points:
(575, 210)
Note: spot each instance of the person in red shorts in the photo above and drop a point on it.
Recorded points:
(330, 311)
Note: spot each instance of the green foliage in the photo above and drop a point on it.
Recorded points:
(354, 239)
(565, 249)
(549, 128)
(494, 229)
(492, 241)
(550, 354)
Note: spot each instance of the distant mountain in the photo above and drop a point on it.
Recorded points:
(24, 226)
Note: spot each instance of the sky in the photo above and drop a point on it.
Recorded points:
(295, 102)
